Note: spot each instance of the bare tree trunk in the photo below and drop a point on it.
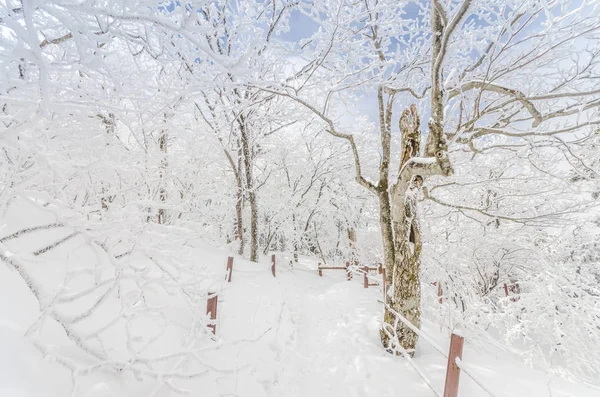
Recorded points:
(238, 231)
(162, 144)
(352, 243)
(405, 297)
(387, 235)
(296, 242)
(247, 154)
(110, 125)
(404, 279)
(253, 226)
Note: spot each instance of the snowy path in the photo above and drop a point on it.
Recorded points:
(319, 337)
(297, 335)
(310, 336)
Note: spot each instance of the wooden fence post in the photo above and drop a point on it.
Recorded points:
(211, 308)
(320, 270)
(514, 288)
(348, 272)
(453, 372)
(229, 268)
(440, 292)
(366, 277)
(273, 264)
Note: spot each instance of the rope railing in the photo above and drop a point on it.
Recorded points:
(452, 374)
(463, 367)
(412, 363)
(416, 330)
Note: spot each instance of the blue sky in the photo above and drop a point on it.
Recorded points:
(301, 27)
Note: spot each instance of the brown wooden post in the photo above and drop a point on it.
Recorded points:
(273, 264)
(229, 268)
(505, 289)
(453, 372)
(380, 268)
(440, 292)
(348, 272)
(320, 271)
(211, 308)
(366, 277)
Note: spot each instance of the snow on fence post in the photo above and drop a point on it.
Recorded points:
(348, 272)
(229, 268)
(273, 264)
(211, 308)
(320, 270)
(440, 292)
(453, 371)
(366, 277)
(513, 288)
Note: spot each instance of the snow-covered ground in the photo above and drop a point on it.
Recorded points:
(294, 335)
(318, 336)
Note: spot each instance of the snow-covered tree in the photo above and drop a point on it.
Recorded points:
(474, 69)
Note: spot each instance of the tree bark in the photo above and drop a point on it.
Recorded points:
(162, 192)
(404, 277)
(248, 170)
(238, 231)
(352, 244)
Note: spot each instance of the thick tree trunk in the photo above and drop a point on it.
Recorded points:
(387, 235)
(404, 295)
(247, 154)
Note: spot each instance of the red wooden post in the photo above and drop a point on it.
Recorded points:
(273, 264)
(348, 272)
(366, 277)
(453, 372)
(229, 268)
(211, 308)
(440, 292)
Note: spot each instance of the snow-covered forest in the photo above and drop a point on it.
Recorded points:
(452, 144)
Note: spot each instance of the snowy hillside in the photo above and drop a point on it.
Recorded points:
(296, 334)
